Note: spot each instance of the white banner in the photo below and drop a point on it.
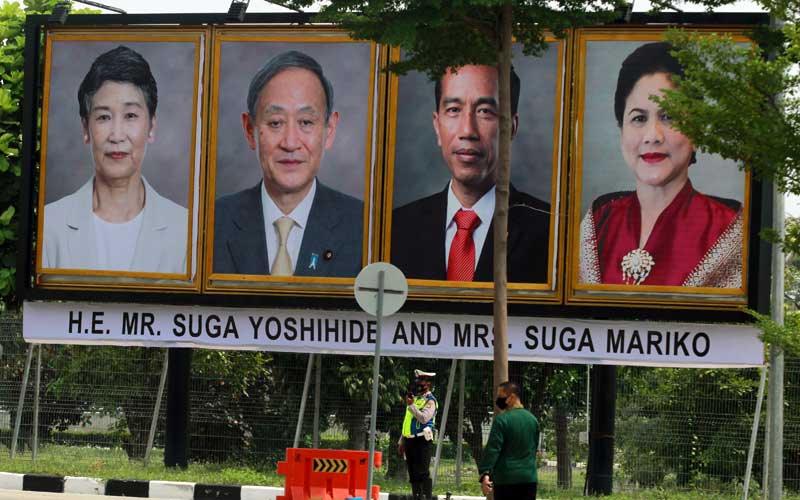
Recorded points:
(557, 340)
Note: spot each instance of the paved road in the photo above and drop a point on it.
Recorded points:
(38, 495)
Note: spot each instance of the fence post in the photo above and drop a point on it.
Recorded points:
(21, 403)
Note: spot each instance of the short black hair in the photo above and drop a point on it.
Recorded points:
(515, 88)
(279, 63)
(648, 59)
(122, 65)
(511, 388)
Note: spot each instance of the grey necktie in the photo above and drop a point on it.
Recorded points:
(282, 265)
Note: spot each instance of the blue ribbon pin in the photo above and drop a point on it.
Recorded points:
(313, 263)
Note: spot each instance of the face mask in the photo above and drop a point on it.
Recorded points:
(421, 388)
(501, 403)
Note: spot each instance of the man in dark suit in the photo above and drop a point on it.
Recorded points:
(289, 223)
(448, 236)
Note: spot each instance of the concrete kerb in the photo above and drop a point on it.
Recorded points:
(172, 490)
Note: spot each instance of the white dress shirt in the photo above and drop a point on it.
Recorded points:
(485, 210)
(300, 217)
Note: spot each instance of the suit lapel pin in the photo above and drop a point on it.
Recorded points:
(328, 255)
(313, 263)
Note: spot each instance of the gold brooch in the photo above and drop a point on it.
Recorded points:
(636, 266)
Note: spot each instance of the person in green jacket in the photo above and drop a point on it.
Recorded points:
(508, 466)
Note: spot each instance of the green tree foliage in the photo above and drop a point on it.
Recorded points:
(12, 47)
(739, 102)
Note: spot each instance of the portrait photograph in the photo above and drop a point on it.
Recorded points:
(121, 157)
(443, 159)
(291, 158)
(652, 215)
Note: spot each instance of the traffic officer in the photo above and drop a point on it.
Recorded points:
(417, 438)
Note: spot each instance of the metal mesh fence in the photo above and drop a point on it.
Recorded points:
(675, 428)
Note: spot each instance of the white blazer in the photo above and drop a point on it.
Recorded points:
(69, 239)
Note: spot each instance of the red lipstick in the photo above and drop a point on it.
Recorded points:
(654, 157)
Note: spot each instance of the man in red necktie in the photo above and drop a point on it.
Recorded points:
(448, 235)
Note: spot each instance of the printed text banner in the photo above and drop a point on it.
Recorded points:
(560, 340)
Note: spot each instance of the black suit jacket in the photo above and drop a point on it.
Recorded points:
(418, 236)
(333, 233)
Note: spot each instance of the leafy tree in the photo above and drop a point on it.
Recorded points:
(442, 35)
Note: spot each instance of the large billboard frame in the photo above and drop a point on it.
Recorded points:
(555, 305)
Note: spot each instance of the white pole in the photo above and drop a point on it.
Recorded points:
(376, 371)
(754, 434)
(775, 399)
(302, 413)
(450, 380)
(151, 436)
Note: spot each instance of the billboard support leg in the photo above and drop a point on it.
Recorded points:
(754, 434)
(36, 391)
(450, 380)
(460, 433)
(151, 436)
(302, 413)
(176, 435)
(317, 392)
(21, 402)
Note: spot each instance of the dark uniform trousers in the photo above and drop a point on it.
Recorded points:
(524, 491)
(418, 459)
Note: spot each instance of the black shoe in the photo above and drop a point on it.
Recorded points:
(427, 489)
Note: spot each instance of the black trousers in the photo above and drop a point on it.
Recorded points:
(418, 459)
(523, 491)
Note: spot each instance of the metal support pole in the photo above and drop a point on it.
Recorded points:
(754, 434)
(450, 380)
(36, 387)
(376, 370)
(151, 436)
(21, 402)
(317, 392)
(462, 376)
(765, 471)
(775, 399)
(302, 413)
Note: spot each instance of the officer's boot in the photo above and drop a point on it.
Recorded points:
(416, 490)
(427, 489)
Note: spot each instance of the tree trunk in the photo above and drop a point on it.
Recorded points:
(563, 455)
(501, 200)
(356, 432)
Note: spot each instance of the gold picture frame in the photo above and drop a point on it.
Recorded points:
(174, 165)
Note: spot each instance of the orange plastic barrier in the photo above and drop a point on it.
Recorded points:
(326, 474)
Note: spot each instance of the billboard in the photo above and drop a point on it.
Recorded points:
(245, 164)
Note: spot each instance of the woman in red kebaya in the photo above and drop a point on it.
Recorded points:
(663, 233)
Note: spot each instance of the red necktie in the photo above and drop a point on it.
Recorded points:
(461, 261)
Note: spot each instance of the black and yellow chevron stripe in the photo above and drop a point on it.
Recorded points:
(337, 465)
